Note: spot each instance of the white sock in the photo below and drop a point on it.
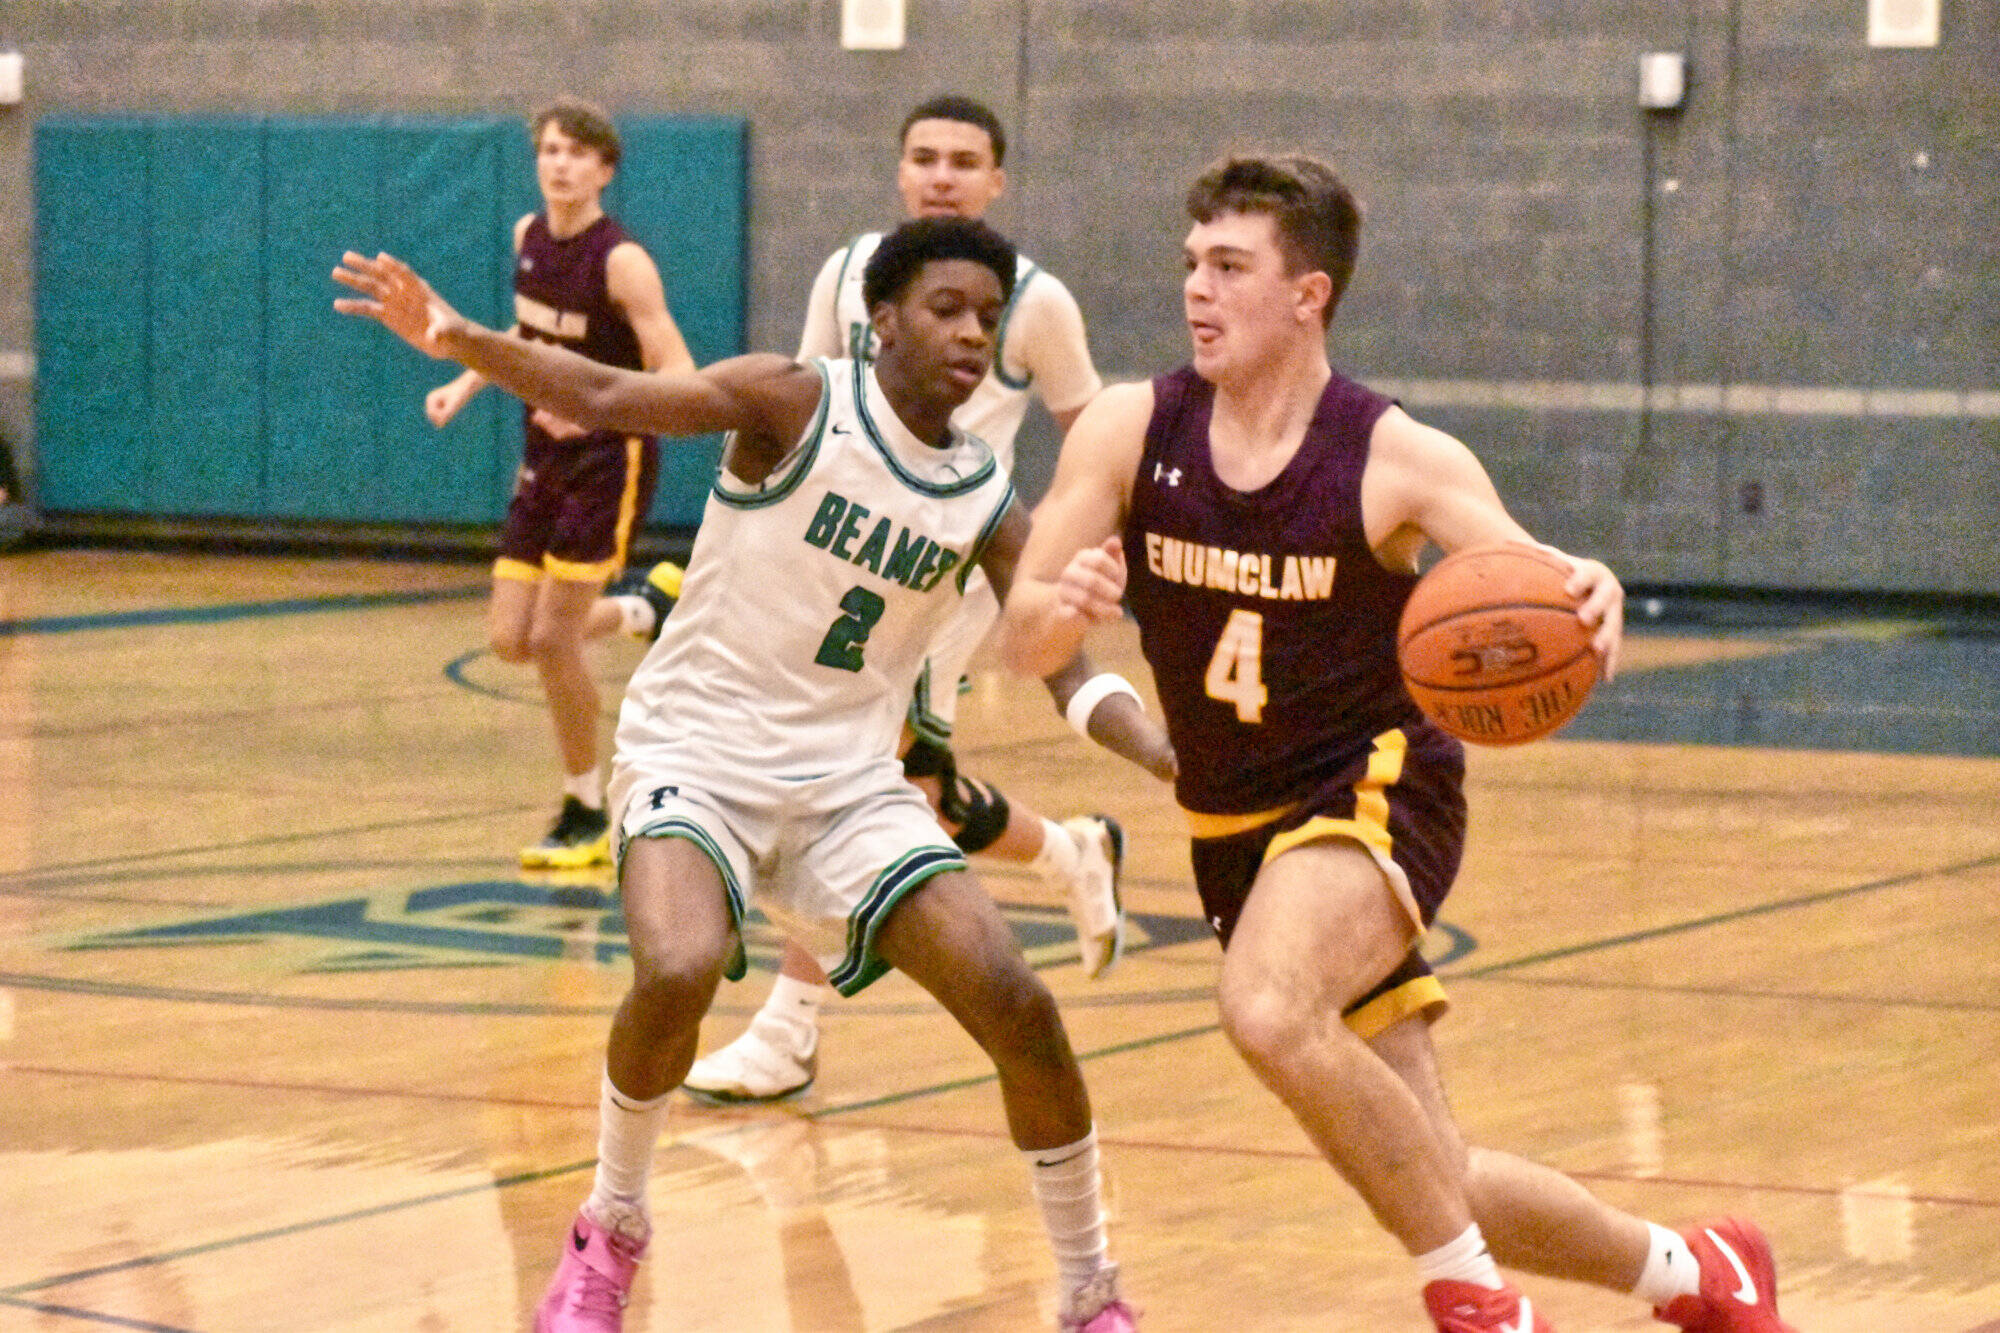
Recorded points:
(635, 615)
(586, 787)
(794, 1004)
(1068, 1189)
(627, 1129)
(1463, 1260)
(1671, 1269)
(1060, 856)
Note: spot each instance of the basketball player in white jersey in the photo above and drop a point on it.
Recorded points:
(952, 165)
(757, 745)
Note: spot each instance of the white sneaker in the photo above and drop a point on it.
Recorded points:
(762, 1065)
(1092, 893)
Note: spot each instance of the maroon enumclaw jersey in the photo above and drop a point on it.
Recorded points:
(1269, 625)
(561, 294)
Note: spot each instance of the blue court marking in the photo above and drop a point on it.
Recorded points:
(1926, 691)
(210, 615)
(59, 868)
(92, 1316)
(10, 1295)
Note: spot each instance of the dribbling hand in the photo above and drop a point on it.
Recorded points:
(1600, 605)
(394, 296)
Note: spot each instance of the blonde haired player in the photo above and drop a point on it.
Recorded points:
(579, 282)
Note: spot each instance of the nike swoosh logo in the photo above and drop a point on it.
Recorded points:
(582, 1242)
(1527, 1320)
(1747, 1293)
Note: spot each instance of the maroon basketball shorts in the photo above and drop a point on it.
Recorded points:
(1402, 799)
(576, 504)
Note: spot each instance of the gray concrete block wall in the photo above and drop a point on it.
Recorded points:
(1819, 216)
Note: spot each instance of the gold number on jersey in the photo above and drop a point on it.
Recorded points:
(1236, 671)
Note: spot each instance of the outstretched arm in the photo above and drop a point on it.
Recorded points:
(766, 396)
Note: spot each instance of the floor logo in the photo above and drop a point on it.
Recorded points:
(496, 922)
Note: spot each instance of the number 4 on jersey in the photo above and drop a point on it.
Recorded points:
(1236, 671)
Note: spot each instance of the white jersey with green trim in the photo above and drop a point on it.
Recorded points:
(811, 600)
(1039, 347)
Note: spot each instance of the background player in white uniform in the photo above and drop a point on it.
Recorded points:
(757, 743)
(952, 165)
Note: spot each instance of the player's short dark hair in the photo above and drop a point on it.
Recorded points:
(954, 106)
(585, 122)
(1317, 216)
(904, 252)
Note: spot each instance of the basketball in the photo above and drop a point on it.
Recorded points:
(1491, 648)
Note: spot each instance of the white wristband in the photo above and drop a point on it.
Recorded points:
(1094, 692)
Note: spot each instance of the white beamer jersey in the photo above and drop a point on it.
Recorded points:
(811, 600)
(1038, 347)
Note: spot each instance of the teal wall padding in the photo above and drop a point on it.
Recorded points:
(322, 371)
(205, 387)
(190, 362)
(679, 192)
(90, 314)
(440, 210)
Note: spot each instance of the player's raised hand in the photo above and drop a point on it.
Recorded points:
(1092, 584)
(393, 295)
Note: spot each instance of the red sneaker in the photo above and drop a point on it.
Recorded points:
(1739, 1283)
(1467, 1307)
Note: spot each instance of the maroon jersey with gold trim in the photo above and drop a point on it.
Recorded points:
(1269, 624)
(561, 294)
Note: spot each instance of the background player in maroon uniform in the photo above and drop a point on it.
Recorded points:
(579, 282)
(1269, 515)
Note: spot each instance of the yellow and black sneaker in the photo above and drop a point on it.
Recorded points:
(581, 837)
(660, 586)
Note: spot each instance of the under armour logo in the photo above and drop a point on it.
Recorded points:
(527, 264)
(1172, 474)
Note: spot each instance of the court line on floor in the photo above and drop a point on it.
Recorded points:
(92, 1316)
(293, 1229)
(268, 840)
(210, 615)
(1119, 1048)
(9, 1295)
(1792, 903)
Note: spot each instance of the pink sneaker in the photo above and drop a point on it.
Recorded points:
(1739, 1282)
(1467, 1307)
(1095, 1307)
(593, 1281)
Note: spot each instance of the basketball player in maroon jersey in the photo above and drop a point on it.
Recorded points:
(1263, 515)
(581, 283)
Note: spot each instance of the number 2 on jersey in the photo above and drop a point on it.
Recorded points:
(1236, 671)
(845, 638)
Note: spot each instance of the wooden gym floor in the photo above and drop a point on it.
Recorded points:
(287, 1042)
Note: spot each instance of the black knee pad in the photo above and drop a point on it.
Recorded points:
(979, 811)
(928, 759)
